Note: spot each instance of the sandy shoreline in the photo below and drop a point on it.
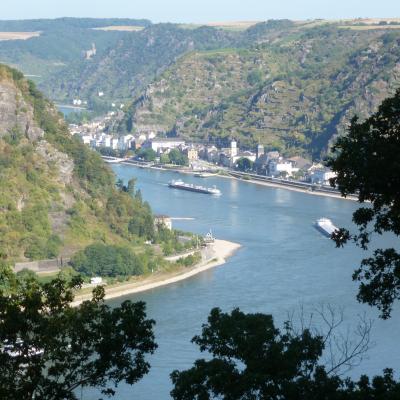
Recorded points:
(222, 249)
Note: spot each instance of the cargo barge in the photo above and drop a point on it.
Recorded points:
(194, 188)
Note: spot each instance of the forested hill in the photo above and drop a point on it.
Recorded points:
(132, 62)
(129, 54)
(289, 88)
(56, 195)
(60, 45)
(289, 85)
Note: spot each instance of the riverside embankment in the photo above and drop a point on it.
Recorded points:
(293, 185)
(218, 254)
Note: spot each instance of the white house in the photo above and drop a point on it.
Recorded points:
(212, 154)
(114, 143)
(161, 145)
(142, 138)
(106, 140)
(151, 135)
(321, 176)
(125, 142)
(280, 166)
(86, 139)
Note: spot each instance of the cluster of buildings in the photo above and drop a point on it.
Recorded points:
(79, 102)
(94, 135)
(276, 166)
(270, 163)
(227, 157)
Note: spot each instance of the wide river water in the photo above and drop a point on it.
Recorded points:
(284, 262)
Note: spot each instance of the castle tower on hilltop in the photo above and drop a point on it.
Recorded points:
(90, 53)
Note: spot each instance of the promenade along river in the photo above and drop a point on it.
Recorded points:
(283, 262)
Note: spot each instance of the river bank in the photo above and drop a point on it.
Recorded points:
(260, 181)
(222, 250)
(296, 189)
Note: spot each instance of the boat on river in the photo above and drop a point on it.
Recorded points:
(325, 226)
(179, 184)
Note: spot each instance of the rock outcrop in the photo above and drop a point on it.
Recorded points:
(16, 115)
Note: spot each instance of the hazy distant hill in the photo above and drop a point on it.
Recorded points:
(132, 61)
(61, 45)
(125, 60)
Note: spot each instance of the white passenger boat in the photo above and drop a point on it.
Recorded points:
(325, 226)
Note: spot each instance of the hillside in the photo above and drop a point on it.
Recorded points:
(291, 85)
(56, 195)
(132, 62)
(57, 46)
(293, 88)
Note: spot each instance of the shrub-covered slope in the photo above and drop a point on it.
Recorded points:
(56, 195)
(293, 89)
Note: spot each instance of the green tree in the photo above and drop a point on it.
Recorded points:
(48, 348)
(251, 359)
(164, 159)
(142, 225)
(244, 164)
(8, 280)
(131, 186)
(120, 185)
(255, 77)
(367, 163)
(147, 154)
(177, 157)
(106, 260)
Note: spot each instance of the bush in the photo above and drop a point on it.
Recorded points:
(147, 154)
(107, 260)
(178, 158)
(190, 260)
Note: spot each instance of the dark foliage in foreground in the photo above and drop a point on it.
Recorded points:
(251, 359)
(48, 348)
(367, 163)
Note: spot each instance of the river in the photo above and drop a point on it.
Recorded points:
(66, 110)
(283, 262)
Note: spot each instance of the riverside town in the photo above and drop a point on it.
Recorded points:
(170, 152)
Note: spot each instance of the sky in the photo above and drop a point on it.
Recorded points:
(200, 11)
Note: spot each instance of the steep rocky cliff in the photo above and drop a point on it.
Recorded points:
(15, 112)
(56, 196)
